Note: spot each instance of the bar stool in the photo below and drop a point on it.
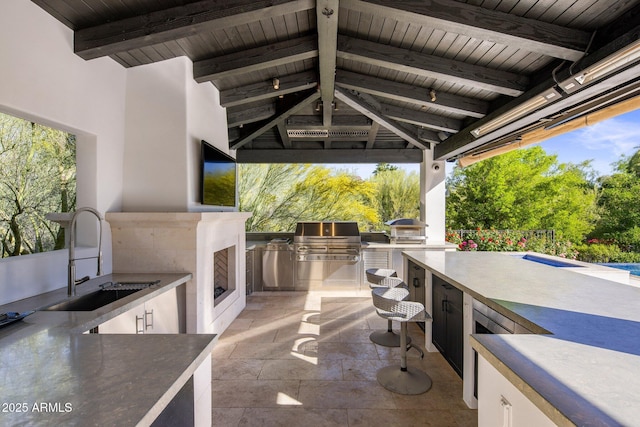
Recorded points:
(384, 278)
(390, 304)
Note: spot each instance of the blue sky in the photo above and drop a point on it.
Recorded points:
(603, 143)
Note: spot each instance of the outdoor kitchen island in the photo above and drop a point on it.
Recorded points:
(54, 374)
(584, 372)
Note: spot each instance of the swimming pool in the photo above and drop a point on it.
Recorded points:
(544, 260)
(632, 268)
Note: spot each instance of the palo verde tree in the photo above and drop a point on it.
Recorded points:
(523, 189)
(37, 176)
(280, 195)
(397, 193)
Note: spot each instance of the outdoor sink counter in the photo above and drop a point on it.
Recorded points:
(585, 371)
(53, 374)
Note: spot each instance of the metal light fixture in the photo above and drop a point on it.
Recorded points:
(276, 83)
(518, 112)
(600, 69)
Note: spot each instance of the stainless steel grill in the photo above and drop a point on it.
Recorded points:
(405, 230)
(327, 241)
(327, 253)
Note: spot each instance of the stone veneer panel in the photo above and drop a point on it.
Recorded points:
(156, 242)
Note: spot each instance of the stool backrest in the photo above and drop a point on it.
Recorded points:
(390, 303)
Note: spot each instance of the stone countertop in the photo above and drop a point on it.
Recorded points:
(53, 374)
(409, 246)
(583, 371)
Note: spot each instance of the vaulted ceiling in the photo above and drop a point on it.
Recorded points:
(379, 81)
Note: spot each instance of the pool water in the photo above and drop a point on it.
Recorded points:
(548, 261)
(633, 268)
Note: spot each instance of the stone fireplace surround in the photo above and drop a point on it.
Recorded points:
(164, 242)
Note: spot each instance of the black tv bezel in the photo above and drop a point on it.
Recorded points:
(204, 145)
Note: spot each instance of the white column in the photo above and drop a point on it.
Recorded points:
(432, 197)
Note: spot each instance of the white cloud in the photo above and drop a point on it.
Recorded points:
(615, 135)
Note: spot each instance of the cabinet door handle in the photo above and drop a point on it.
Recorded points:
(147, 315)
(416, 282)
(444, 305)
(139, 325)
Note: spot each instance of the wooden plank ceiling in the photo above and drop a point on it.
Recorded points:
(375, 81)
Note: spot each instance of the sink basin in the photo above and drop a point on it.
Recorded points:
(92, 301)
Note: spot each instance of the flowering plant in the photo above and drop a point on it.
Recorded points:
(468, 245)
(510, 241)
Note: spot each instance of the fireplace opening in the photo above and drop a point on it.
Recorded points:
(223, 274)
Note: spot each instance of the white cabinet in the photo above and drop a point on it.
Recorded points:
(500, 403)
(160, 315)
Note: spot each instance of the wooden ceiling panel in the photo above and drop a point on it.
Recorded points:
(475, 54)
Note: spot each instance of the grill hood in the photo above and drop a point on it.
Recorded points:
(327, 229)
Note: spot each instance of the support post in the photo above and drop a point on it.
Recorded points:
(432, 197)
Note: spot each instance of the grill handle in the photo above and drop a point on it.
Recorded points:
(315, 249)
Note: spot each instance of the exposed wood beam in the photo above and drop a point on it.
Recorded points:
(464, 141)
(178, 22)
(428, 135)
(241, 116)
(421, 118)
(542, 134)
(407, 155)
(364, 107)
(389, 89)
(273, 122)
(422, 64)
(264, 90)
(327, 20)
(259, 58)
(282, 130)
(484, 24)
(373, 133)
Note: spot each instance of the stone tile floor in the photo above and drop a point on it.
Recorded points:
(305, 359)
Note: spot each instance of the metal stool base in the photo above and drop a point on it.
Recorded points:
(409, 382)
(387, 339)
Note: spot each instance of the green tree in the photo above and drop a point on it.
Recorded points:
(397, 193)
(280, 195)
(523, 189)
(37, 176)
(619, 203)
(384, 167)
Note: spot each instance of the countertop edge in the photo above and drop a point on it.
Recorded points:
(166, 398)
(489, 352)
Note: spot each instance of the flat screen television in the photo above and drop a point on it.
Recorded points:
(218, 178)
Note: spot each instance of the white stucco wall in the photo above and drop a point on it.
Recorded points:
(138, 130)
(41, 79)
(155, 161)
(206, 120)
(168, 114)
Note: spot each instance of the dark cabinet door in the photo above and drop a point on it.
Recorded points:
(416, 279)
(447, 327)
(455, 331)
(439, 323)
